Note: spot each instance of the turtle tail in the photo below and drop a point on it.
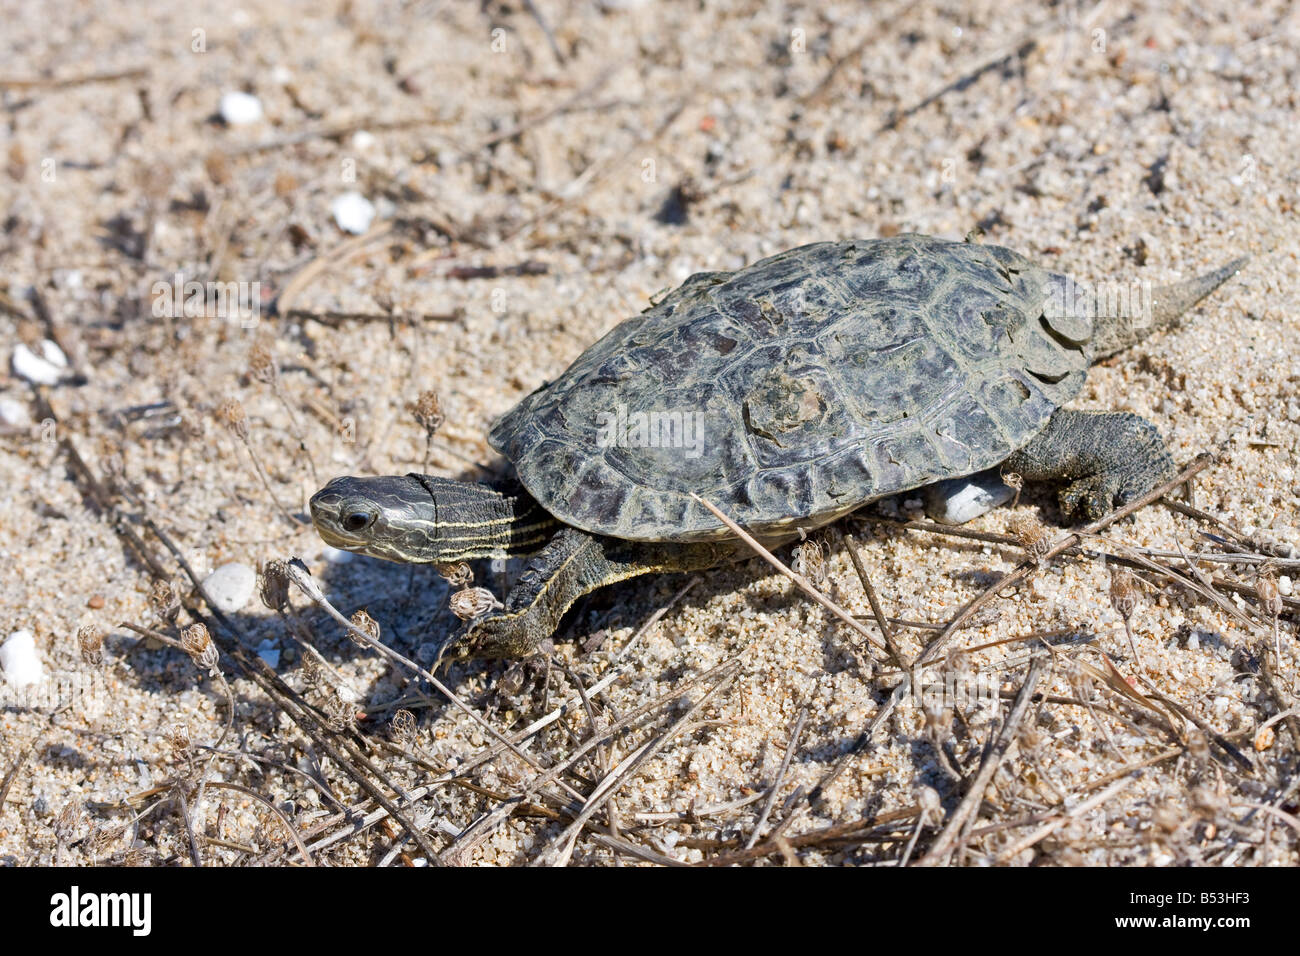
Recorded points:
(1163, 309)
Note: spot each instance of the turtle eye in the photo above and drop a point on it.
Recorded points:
(357, 521)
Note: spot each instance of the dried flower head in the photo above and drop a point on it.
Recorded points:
(366, 624)
(261, 364)
(164, 601)
(275, 585)
(810, 560)
(1032, 536)
(231, 414)
(178, 738)
(68, 820)
(1015, 482)
(402, 728)
(427, 410)
(927, 798)
(1264, 544)
(469, 603)
(311, 670)
(1123, 592)
(102, 838)
(458, 575)
(112, 461)
(90, 641)
(198, 644)
(1270, 599)
(340, 714)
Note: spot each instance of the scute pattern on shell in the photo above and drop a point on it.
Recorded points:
(823, 378)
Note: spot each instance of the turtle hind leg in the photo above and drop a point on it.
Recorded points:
(573, 563)
(1108, 458)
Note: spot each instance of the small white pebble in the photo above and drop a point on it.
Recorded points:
(230, 587)
(240, 109)
(281, 74)
(1284, 584)
(1193, 642)
(44, 369)
(362, 140)
(269, 651)
(353, 212)
(18, 657)
(14, 412)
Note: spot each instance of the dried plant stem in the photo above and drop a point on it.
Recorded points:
(800, 581)
(289, 828)
(780, 778)
(559, 852)
(295, 429)
(299, 574)
(963, 818)
(882, 621)
(1055, 824)
(1027, 568)
(266, 481)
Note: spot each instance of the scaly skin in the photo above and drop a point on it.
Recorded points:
(1109, 458)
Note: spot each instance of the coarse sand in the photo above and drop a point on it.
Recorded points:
(532, 174)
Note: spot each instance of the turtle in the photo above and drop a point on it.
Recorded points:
(788, 393)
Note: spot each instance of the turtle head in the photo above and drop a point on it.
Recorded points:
(425, 519)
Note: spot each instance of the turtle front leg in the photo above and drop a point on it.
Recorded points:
(572, 564)
(1109, 458)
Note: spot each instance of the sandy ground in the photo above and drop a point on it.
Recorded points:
(643, 143)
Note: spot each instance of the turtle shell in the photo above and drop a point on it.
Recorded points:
(797, 389)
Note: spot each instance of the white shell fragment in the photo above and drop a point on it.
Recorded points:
(230, 587)
(18, 657)
(958, 500)
(240, 109)
(353, 212)
(48, 368)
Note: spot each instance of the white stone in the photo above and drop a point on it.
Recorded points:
(18, 657)
(1284, 584)
(47, 368)
(281, 75)
(14, 412)
(230, 587)
(958, 500)
(240, 109)
(269, 651)
(353, 212)
(362, 140)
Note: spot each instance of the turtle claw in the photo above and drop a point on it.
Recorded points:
(495, 635)
(1093, 496)
(1097, 495)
